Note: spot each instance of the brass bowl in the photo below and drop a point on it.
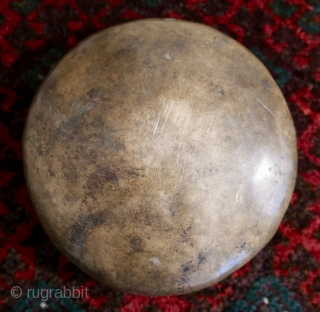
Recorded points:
(160, 156)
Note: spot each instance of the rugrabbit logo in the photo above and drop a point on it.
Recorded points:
(48, 293)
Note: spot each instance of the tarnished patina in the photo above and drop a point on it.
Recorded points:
(160, 156)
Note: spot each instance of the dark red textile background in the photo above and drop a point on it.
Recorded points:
(283, 34)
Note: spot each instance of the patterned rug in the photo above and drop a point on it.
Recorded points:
(283, 34)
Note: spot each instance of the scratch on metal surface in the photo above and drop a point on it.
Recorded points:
(184, 126)
(265, 107)
(167, 115)
(184, 165)
(155, 129)
(212, 135)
